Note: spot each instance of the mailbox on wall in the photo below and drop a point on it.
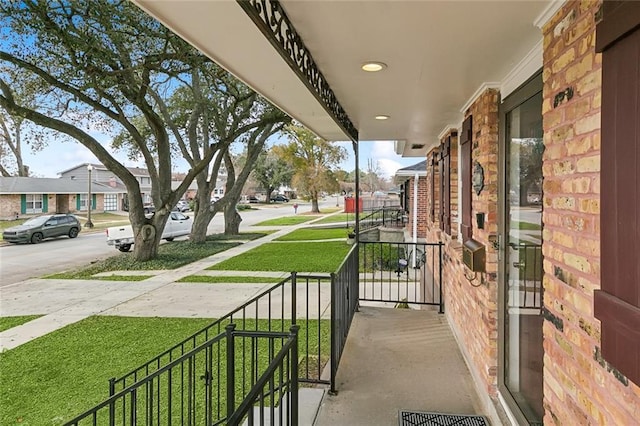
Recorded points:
(474, 255)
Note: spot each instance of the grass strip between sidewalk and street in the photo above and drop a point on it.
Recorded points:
(9, 322)
(306, 234)
(58, 376)
(209, 279)
(171, 255)
(299, 256)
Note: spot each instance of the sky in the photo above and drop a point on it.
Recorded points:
(60, 156)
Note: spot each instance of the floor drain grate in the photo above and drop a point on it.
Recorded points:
(420, 418)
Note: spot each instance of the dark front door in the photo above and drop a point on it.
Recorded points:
(521, 252)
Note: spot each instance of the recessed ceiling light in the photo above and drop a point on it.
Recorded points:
(382, 117)
(373, 66)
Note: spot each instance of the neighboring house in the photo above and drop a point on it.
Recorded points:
(508, 102)
(102, 175)
(26, 195)
(413, 197)
(190, 193)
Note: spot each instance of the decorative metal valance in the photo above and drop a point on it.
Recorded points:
(270, 18)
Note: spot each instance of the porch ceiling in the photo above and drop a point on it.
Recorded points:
(438, 53)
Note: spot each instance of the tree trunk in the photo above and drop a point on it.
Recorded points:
(314, 205)
(199, 227)
(232, 220)
(203, 213)
(146, 243)
(147, 238)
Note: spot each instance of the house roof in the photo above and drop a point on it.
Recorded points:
(29, 185)
(136, 171)
(406, 173)
(419, 168)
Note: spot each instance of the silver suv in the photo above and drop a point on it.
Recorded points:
(38, 228)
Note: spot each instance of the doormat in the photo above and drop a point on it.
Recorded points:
(421, 418)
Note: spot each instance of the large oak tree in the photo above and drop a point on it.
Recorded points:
(106, 64)
(313, 160)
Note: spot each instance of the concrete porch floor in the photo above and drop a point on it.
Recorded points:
(398, 359)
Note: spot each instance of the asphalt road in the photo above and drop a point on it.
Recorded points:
(19, 262)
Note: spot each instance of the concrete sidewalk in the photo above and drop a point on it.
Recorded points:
(64, 302)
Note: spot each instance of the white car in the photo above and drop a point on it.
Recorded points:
(122, 238)
(182, 206)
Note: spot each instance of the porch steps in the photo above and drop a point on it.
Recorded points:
(309, 400)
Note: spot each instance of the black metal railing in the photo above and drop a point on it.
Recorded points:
(526, 284)
(214, 383)
(390, 217)
(296, 299)
(344, 304)
(273, 398)
(401, 273)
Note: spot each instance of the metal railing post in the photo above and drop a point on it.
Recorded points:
(333, 358)
(441, 310)
(112, 406)
(294, 295)
(294, 375)
(231, 369)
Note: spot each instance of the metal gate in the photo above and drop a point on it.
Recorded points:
(401, 273)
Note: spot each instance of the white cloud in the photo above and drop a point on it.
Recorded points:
(388, 167)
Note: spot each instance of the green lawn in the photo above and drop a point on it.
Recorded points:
(170, 256)
(303, 256)
(314, 234)
(114, 277)
(10, 322)
(527, 226)
(243, 236)
(228, 279)
(287, 220)
(58, 376)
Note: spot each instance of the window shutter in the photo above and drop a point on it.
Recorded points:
(45, 203)
(465, 176)
(445, 185)
(78, 202)
(93, 201)
(617, 303)
(23, 203)
(434, 163)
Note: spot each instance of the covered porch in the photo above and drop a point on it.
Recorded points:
(496, 96)
(399, 359)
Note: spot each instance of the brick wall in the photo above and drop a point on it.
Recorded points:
(579, 386)
(423, 209)
(9, 205)
(471, 307)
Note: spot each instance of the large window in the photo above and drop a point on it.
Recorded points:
(83, 202)
(33, 203)
(110, 202)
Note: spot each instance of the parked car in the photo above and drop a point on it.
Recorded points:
(251, 199)
(38, 228)
(182, 206)
(149, 208)
(279, 197)
(122, 237)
